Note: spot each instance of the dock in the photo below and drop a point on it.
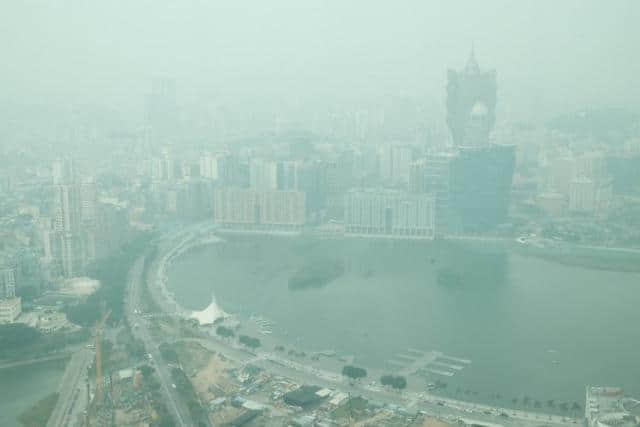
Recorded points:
(414, 361)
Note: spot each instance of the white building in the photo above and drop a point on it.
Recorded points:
(263, 174)
(582, 195)
(264, 209)
(10, 309)
(7, 282)
(389, 213)
(395, 164)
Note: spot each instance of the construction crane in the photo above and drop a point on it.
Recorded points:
(98, 345)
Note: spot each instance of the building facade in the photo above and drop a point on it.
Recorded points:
(253, 209)
(10, 309)
(471, 102)
(480, 188)
(389, 213)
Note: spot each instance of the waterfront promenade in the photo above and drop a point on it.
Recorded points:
(308, 373)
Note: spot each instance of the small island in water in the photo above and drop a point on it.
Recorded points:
(316, 273)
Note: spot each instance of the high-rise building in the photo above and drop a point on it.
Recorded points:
(437, 171)
(254, 209)
(163, 167)
(417, 177)
(480, 187)
(582, 195)
(263, 174)
(63, 171)
(288, 175)
(471, 101)
(7, 282)
(480, 174)
(395, 164)
(71, 241)
(389, 213)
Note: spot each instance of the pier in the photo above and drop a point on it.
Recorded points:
(414, 361)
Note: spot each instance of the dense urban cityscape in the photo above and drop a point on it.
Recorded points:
(397, 261)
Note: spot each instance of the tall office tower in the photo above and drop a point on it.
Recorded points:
(480, 174)
(471, 101)
(480, 186)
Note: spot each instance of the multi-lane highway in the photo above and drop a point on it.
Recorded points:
(174, 402)
(71, 390)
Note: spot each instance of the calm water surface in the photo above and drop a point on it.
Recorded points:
(23, 386)
(531, 327)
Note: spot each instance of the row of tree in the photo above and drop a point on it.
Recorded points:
(395, 381)
(246, 340)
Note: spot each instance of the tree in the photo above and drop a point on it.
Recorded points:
(353, 372)
(250, 342)
(398, 382)
(168, 353)
(146, 371)
(224, 332)
(551, 403)
(537, 404)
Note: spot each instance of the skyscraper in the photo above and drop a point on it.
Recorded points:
(480, 174)
(471, 102)
(72, 242)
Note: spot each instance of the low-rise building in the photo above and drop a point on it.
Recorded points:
(608, 407)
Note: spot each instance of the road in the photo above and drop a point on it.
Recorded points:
(429, 403)
(71, 390)
(304, 373)
(176, 406)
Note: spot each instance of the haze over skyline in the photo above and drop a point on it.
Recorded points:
(550, 57)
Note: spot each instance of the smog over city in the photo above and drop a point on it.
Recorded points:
(319, 213)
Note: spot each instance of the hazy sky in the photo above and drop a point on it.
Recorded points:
(550, 55)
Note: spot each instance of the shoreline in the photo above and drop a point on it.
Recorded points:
(279, 335)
